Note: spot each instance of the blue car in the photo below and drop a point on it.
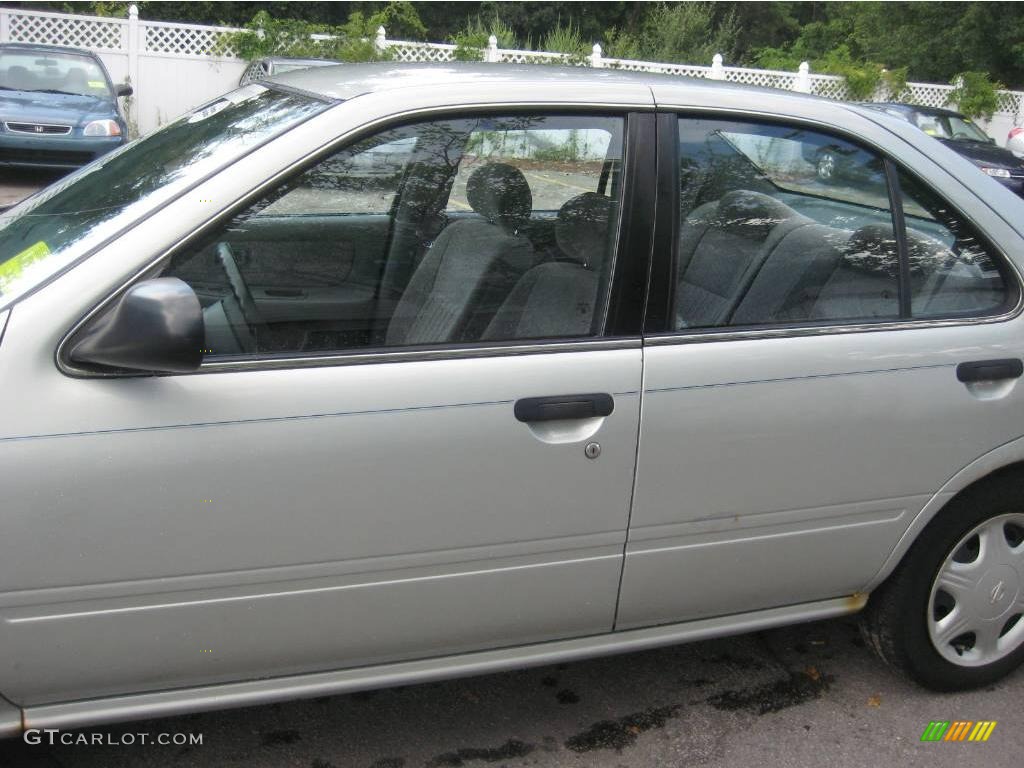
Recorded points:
(58, 107)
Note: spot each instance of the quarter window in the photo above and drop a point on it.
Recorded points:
(952, 270)
(468, 231)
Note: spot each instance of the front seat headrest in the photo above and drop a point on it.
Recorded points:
(500, 194)
(581, 227)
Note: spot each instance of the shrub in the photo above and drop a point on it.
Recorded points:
(975, 94)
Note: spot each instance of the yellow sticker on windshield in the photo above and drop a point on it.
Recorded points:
(97, 84)
(11, 269)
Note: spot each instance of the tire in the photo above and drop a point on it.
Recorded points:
(910, 607)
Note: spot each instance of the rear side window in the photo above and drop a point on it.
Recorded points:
(784, 225)
(781, 225)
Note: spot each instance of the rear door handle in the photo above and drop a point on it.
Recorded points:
(564, 407)
(990, 370)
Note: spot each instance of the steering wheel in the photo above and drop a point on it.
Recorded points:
(250, 311)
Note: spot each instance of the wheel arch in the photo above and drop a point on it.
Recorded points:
(1006, 459)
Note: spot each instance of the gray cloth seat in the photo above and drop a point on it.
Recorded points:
(558, 298)
(825, 273)
(864, 283)
(471, 266)
(723, 245)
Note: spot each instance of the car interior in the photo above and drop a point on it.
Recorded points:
(761, 253)
(281, 281)
(35, 71)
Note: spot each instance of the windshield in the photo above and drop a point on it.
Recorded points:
(950, 127)
(51, 229)
(53, 73)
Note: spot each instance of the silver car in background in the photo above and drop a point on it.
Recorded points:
(268, 66)
(599, 364)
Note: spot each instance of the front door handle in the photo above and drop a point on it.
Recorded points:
(564, 407)
(990, 370)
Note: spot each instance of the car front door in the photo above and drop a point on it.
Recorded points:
(802, 397)
(443, 469)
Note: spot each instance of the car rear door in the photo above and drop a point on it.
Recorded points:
(804, 394)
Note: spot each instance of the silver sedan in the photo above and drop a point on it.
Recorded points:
(599, 363)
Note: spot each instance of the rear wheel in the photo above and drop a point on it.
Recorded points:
(952, 614)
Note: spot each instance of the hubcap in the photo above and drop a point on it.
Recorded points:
(826, 166)
(977, 600)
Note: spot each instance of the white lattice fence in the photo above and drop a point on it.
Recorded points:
(59, 29)
(426, 52)
(1011, 103)
(185, 39)
(765, 78)
(928, 94)
(828, 86)
(512, 56)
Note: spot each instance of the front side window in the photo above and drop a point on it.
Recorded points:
(432, 233)
(780, 224)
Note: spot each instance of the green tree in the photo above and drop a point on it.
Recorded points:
(677, 32)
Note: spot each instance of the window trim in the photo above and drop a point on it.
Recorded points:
(899, 230)
(663, 269)
(618, 340)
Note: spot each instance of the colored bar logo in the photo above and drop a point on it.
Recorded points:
(958, 730)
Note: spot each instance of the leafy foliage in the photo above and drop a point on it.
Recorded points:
(266, 35)
(975, 94)
(473, 38)
(677, 32)
(565, 38)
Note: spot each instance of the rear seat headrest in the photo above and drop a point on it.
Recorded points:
(751, 214)
(581, 227)
(499, 192)
(925, 254)
(872, 248)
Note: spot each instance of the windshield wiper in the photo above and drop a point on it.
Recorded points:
(63, 93)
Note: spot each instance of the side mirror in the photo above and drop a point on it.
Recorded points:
(156, 326)
(123, 89)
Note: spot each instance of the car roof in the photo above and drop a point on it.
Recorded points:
(298, 60)
(47, 49)
(347, 81)
(939, 111)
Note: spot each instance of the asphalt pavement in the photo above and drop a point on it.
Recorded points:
(16, 184)
(809, 695)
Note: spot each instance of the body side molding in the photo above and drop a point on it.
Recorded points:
(166, 703)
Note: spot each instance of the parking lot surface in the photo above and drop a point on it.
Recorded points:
(16, 185)
(809, 695)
